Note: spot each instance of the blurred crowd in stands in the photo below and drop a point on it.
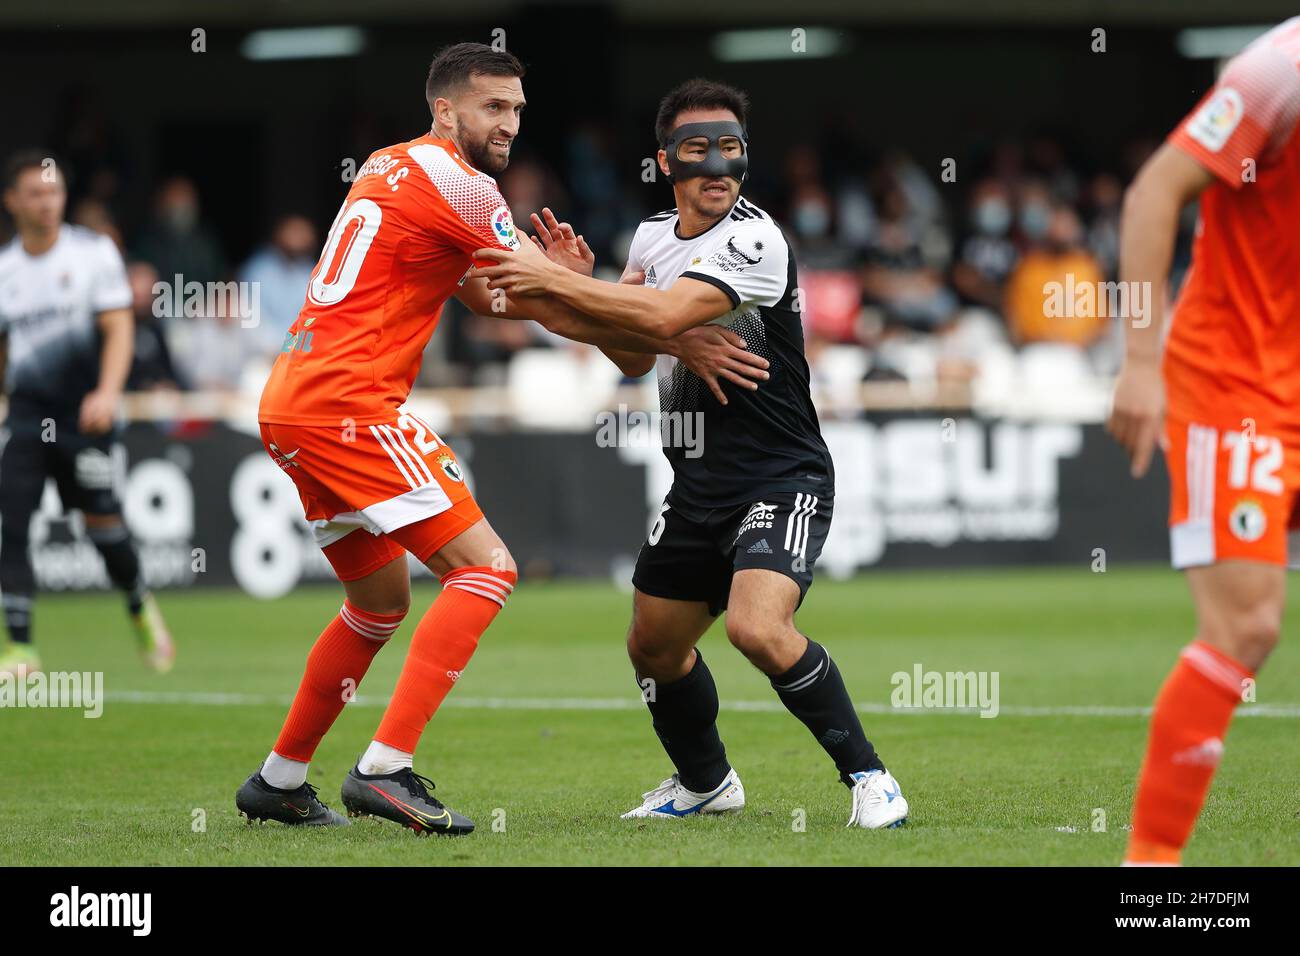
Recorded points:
(905, 274)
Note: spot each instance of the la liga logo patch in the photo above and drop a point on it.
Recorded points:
(503, 227)
(1214, 123)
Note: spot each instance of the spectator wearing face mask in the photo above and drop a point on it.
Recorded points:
(1033, 212)
(906, 265)
(988, 254)
(281, 270)
(176, 242)
(811, 212)
(1054, 293)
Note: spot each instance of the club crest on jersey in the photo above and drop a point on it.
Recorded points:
(1247, 520)
(450, 468)
(503, 227)
(733, 257)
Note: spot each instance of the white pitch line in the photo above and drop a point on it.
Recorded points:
(1287, 711)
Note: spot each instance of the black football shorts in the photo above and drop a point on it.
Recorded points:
(80, 464)
(691, 553)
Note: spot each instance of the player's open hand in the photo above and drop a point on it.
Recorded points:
(561, 244)
(97, 411)
(715, 353)
(526, 271)
(1137, 413)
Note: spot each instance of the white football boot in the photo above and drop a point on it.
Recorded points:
(671, 799)
(878, 801)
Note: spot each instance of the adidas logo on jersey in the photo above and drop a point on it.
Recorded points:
(650, 277)
(760, 547)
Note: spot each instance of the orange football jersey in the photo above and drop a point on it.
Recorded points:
(399, 247)
(1234, 342)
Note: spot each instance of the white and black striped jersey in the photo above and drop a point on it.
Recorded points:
(49, 308)
(761, 441)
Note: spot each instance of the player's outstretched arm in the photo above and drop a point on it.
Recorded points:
(660, 314)
(565, 321)
(713, 353)
(1168, 181)
(633, 354)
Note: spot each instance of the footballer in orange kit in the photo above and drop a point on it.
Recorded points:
(1222, 398)
(377, 482)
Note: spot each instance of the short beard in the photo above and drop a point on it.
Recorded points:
(699, 200)
(477, 153)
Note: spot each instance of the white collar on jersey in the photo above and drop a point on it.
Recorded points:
(723, 218)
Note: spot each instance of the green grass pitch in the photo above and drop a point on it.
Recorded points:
(545, 735)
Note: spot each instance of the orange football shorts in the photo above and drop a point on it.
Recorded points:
(1232, 491)
(371, 492)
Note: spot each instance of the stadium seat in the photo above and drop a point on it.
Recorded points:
(838, 372)
(559, 388)
(832, 302)
(1058, 380)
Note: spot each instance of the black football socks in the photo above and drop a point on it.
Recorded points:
(814, 692)
(685, 716)
(17, 578)
(120, 560)
(18, 617)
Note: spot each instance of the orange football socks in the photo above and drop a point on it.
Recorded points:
(335, 666)
(1188, 724)
(444, 641)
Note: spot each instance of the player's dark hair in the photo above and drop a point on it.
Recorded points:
(453, 66)
(698, 94)
(26, 159)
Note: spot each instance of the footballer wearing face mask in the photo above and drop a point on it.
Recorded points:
(751, 500)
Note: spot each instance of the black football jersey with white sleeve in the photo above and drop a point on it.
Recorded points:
(762, 441)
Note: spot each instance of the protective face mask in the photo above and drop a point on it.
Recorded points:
(1034, 220)
(811, 219)
(714, 164)
(992, 217)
